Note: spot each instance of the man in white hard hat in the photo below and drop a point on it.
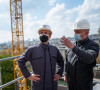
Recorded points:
(80, 58)
(43, 59)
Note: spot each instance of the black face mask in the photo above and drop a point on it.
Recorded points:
(43, 37)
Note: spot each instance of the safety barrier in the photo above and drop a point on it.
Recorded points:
(13, 81)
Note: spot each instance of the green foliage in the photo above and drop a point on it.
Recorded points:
(99, 44)
(6, 52)
(7, 72)
(61, 82)
(98, 59)
(28, 84)
(4, 56)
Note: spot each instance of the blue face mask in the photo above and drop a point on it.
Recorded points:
(77, 37)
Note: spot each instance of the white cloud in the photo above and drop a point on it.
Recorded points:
(34, 4)
(4, 21)
(4, 1)
(5, 35)
(62, 20)
(56, 18)
(51, 2)
(4, 15)
(35, 17)
(31, 26)
(91, 11)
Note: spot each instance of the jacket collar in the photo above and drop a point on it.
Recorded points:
(82, 41)
(44, 46)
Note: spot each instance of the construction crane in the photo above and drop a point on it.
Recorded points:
(17, 38)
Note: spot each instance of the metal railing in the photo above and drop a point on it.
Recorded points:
(9, 58)
(13, 81)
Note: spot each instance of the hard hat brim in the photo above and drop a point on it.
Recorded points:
(41, 29)
(81, 28)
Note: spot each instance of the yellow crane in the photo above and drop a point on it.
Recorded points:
(17, 38)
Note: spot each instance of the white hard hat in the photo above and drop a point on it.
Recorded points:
(45, 27)
(82, 24)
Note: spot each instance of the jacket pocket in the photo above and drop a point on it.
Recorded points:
(37, 62)
(54, 57)
(36, 58)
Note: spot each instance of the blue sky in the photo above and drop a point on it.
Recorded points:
(59, 14)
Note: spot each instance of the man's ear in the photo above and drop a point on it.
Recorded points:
(87, 33)
(49, 36)
(39, 36)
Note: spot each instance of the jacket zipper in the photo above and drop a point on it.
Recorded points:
(51, 68)
(44, 68)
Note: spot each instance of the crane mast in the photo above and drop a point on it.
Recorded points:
(17, 38)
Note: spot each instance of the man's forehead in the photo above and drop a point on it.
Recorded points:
(43, 31)
(77, 30)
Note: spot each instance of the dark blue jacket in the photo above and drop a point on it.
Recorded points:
(43, 59)
(80, 75)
